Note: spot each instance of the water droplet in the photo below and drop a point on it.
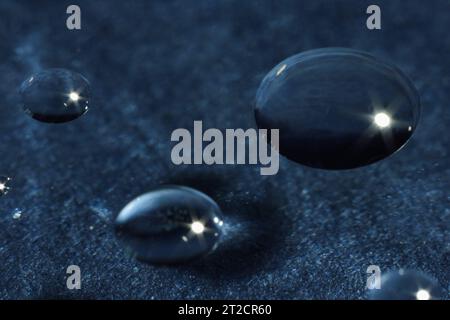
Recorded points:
(170, 225)
(4, 185)
(55, 96)
(17, 214)
(407, 285)
(337, 108)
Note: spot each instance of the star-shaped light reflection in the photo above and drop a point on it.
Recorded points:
(74, 96)
(197, 227)
(382, 120)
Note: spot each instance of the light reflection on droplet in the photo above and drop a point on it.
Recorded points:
(197, 227)
(282, 68)
(382, 120)
(423, 294)
(74, 96)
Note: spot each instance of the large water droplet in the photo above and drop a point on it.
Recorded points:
(337, 108)
(407, 285)
(55, 96)
(170, 225)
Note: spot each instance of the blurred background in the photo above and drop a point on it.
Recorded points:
(155, 66)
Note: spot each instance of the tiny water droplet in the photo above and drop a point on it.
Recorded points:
(337, 108)
(4, 185)
(55, 96)
(170, 225)
(407, 285)
(17, 214)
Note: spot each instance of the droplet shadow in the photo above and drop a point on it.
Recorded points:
(255, 227)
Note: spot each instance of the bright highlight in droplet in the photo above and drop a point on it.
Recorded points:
(382, 120)
(197, 227)
(423, 295)
(281, 70)
(74, 96)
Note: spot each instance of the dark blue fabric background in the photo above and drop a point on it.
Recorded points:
(156, 66)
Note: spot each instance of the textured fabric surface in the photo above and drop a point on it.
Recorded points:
(155, 66)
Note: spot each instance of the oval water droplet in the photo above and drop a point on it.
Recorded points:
(407, 285)
(337, 108)
(170, 225)
(55, 96)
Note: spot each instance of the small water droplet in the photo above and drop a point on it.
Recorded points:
(17, 214)
(407, 285)
(55, 96)
(337, 108)
(170, 225)
(4, 185)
